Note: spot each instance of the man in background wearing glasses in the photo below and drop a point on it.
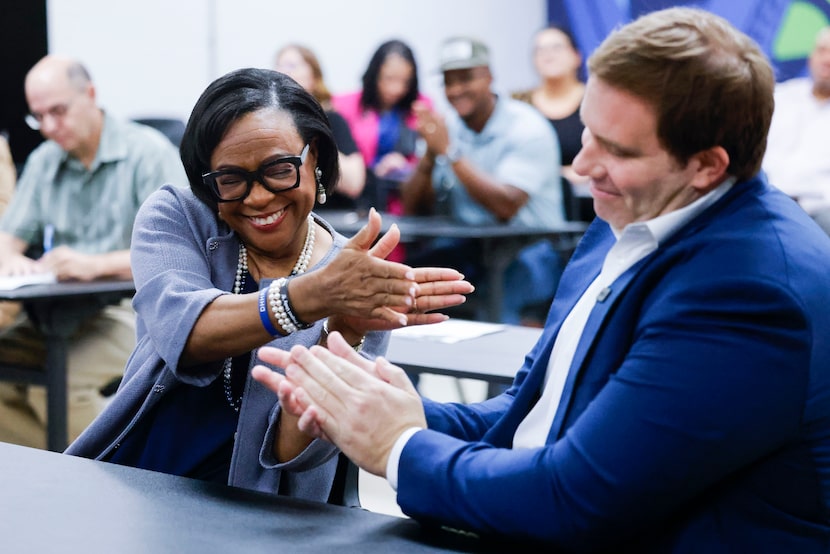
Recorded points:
(72, 215)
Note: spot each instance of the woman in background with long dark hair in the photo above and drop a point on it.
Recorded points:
(381, 119)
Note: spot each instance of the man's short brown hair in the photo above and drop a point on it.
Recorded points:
(710, 84)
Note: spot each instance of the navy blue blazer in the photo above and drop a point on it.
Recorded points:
(696, 414)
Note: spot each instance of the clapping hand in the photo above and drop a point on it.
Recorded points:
(361, 406)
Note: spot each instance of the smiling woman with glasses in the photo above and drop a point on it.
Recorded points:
(238, 261)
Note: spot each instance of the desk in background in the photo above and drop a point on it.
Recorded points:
(57, 309)
(493, 357)
(500, 243)
(58, 503)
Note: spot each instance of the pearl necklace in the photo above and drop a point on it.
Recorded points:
(239, 283)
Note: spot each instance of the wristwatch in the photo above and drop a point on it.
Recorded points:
(452, 155)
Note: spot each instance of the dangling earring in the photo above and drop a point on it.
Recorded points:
(321, 190)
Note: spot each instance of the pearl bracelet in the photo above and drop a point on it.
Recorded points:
(278, 306)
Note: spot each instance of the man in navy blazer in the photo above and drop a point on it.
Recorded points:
(679, 397)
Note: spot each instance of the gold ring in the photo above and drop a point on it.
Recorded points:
(415, 305)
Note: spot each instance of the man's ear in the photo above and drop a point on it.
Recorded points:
(90, 91)
(712, 164)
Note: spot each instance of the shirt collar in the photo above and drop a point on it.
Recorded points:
(112, 147)
(664, 226)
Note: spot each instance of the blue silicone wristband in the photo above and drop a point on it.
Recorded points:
(263, 314)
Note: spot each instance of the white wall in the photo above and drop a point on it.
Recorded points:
(154, 57)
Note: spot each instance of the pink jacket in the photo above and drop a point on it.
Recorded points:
(364, 125)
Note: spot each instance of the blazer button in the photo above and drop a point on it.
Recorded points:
(213, 245)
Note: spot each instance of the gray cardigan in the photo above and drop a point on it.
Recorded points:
(184, 257)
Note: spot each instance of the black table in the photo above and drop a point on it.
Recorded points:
(53, 502)
(57, 309)
(500, 243)
(495, 357)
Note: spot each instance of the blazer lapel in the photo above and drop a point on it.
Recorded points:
(606, 299)
(580, 272)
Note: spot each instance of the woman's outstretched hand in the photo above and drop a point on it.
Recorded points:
(361, 291)
(438, 288)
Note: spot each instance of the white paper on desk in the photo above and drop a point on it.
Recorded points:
(450, 331)
(11, 282)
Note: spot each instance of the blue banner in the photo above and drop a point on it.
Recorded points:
(785, 29)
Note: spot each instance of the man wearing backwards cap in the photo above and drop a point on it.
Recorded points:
(493, 160)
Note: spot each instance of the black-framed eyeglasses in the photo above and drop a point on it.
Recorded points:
(280, 175)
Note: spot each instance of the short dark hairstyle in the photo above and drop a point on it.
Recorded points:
(240, 92)
(709, 83)
(369, 98)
